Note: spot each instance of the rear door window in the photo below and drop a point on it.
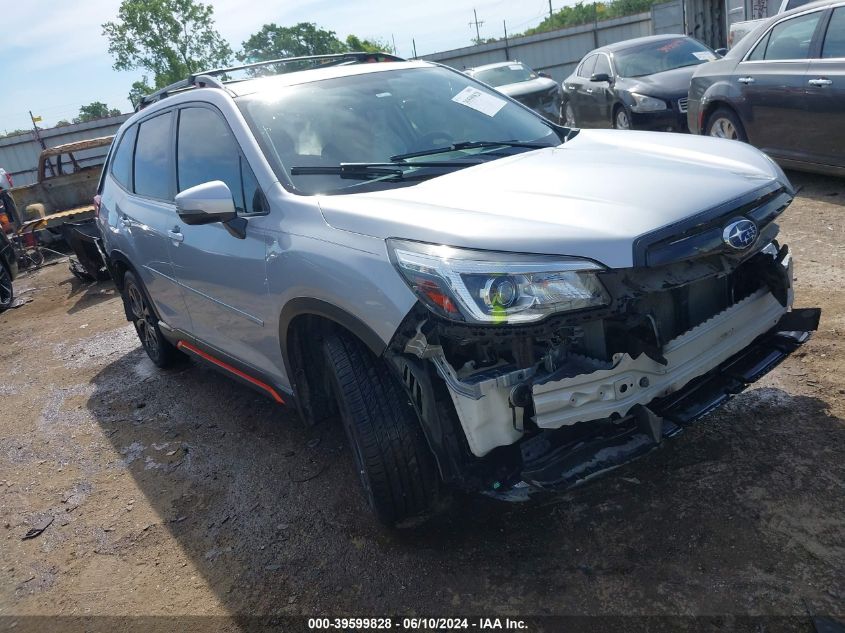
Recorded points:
(153, 158)
(121, 166)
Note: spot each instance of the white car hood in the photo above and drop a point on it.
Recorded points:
(590, 197)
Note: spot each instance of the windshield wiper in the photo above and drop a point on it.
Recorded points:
(468, 145)
(368, 171)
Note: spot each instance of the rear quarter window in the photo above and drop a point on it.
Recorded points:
(834, 41)
(121, 165)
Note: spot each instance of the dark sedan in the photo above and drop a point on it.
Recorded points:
(782, 89)
(636, 84)
(536, 90)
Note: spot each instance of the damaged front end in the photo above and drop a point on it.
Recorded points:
(514, 407)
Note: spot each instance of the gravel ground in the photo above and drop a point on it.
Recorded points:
(182, 492)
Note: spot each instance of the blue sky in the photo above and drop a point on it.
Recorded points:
(56, 59)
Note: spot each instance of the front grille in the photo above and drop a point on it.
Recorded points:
(701, 235)
(682, 104)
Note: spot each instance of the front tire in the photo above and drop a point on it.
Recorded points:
(143, 317)
(724, 123)
(394, 462)
(7, 290)
(621, 119)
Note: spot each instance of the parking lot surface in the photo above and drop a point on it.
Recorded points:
(182, 492)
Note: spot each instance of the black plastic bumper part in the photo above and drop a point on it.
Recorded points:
(562, 458)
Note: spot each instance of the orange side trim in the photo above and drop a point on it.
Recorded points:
(211, 359)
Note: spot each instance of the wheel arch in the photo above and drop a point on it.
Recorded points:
(118, 264)
(306, 319)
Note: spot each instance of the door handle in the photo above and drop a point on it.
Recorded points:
(821, 81)
(175, 234)
(746, 80)
(589, 91)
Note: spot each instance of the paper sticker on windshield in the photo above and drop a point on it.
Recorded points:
(478, 100)
(704, 56)
(515, 67)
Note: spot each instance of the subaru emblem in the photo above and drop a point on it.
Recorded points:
(740, 233)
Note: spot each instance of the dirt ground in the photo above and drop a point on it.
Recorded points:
(182, 492)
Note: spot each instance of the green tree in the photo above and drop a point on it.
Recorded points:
(95, 110)
(139, 90)
(168, 38)
(276, 42)
(375, 45)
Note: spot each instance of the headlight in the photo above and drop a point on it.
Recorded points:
(643, 103)
(496, 288)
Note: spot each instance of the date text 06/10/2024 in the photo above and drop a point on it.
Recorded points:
(417, 624)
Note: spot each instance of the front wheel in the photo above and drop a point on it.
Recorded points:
(143, 317)
(621, 119)
(724, 123)
(7, 292)
(392, 457)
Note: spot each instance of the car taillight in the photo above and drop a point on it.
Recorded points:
(5, 225)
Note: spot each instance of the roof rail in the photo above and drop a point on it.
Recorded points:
(208, 78)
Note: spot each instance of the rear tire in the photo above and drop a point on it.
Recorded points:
(394, 462)
(145, 320)
(567, 115)
(724, 123)
(7, 290)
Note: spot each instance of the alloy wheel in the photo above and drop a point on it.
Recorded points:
(568, 115)
(144, 320)
(6, 292)
(622, 120)
(723, 128)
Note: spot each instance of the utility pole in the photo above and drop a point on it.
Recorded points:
(507, 50)
(550, 10)
(477, 24)
(595, 25)
(35, 127)
(414, 43)
(394, 43)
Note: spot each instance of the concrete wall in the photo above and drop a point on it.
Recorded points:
(554, 52)
(19, 154)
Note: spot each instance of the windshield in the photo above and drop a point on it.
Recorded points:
(658, 57)
(382, 117)
(503, 75)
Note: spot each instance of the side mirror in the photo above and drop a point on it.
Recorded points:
(206, 203)
(546, 75)
(721, 52)
(600, 77)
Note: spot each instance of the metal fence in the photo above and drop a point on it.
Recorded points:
(554, 52)
(19, 153)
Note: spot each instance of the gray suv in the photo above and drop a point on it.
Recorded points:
(488, 301)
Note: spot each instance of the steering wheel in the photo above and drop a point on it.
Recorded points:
(429, 139)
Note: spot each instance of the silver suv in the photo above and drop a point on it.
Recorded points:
(486, 300)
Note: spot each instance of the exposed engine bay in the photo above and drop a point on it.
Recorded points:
(601, 370)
